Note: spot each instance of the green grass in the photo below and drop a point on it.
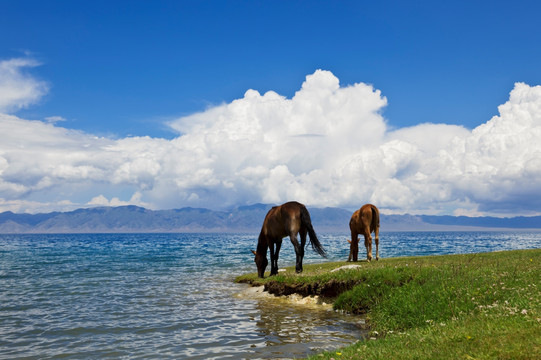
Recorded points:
(475, 306)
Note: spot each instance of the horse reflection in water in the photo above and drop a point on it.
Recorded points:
(289, 219)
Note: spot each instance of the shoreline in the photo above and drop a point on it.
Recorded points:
(259, 293)
(325, 290)
(478, 305)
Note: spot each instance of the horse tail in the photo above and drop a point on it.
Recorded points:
(375, 217)
(305, 221)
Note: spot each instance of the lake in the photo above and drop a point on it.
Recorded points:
(172, 296)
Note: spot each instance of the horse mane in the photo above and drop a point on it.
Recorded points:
(262, 244)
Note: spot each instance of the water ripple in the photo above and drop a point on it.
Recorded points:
(171, 295)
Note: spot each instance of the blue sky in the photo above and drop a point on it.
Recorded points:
(122, 67)
(122, 70)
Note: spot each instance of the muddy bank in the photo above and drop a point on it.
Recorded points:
(259, 292)
(327, 290)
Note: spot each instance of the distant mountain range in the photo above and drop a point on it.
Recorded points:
(244, 219)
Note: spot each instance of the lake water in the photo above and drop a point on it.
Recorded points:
(172, 295)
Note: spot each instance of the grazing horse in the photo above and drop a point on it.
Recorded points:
(364, 221)
(288, 219)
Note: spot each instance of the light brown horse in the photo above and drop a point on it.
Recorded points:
(289, 219)
(364, 221)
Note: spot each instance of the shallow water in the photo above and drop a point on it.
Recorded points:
(172, 295)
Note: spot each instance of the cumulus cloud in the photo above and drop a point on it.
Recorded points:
(491, 169)
(18, 89)
(277, 148)
(500, 161)
(328, 145)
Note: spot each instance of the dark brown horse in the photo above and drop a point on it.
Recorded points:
(288, 219)
(364, 221)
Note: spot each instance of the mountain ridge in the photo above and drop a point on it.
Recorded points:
(246, 219)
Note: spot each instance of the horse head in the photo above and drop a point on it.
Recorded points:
(261, 263)
(353, 249)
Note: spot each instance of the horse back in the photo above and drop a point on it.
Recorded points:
(366, 218)
(283, 220)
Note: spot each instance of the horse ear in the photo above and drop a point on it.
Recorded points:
(253, 252)
(349, 241)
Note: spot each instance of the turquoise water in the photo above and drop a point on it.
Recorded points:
(172, 295)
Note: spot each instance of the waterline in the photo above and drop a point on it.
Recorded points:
(172, 296)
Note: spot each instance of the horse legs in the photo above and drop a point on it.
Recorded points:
(274, 257)
(271, 248)
(353, 247)
(368, 244)
(276, 254)
(303, 233)
(299, 250)
(377, 242)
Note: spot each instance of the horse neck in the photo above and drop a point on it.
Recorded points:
(262, 244)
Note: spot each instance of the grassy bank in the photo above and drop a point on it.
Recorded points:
(474, 306)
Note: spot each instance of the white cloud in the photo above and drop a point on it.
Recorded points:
(501, 159)
(258, 144)
(19, 89)
(101, 200)
(54, 119)
(21, 205)
(326, 146)
(492, 169)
